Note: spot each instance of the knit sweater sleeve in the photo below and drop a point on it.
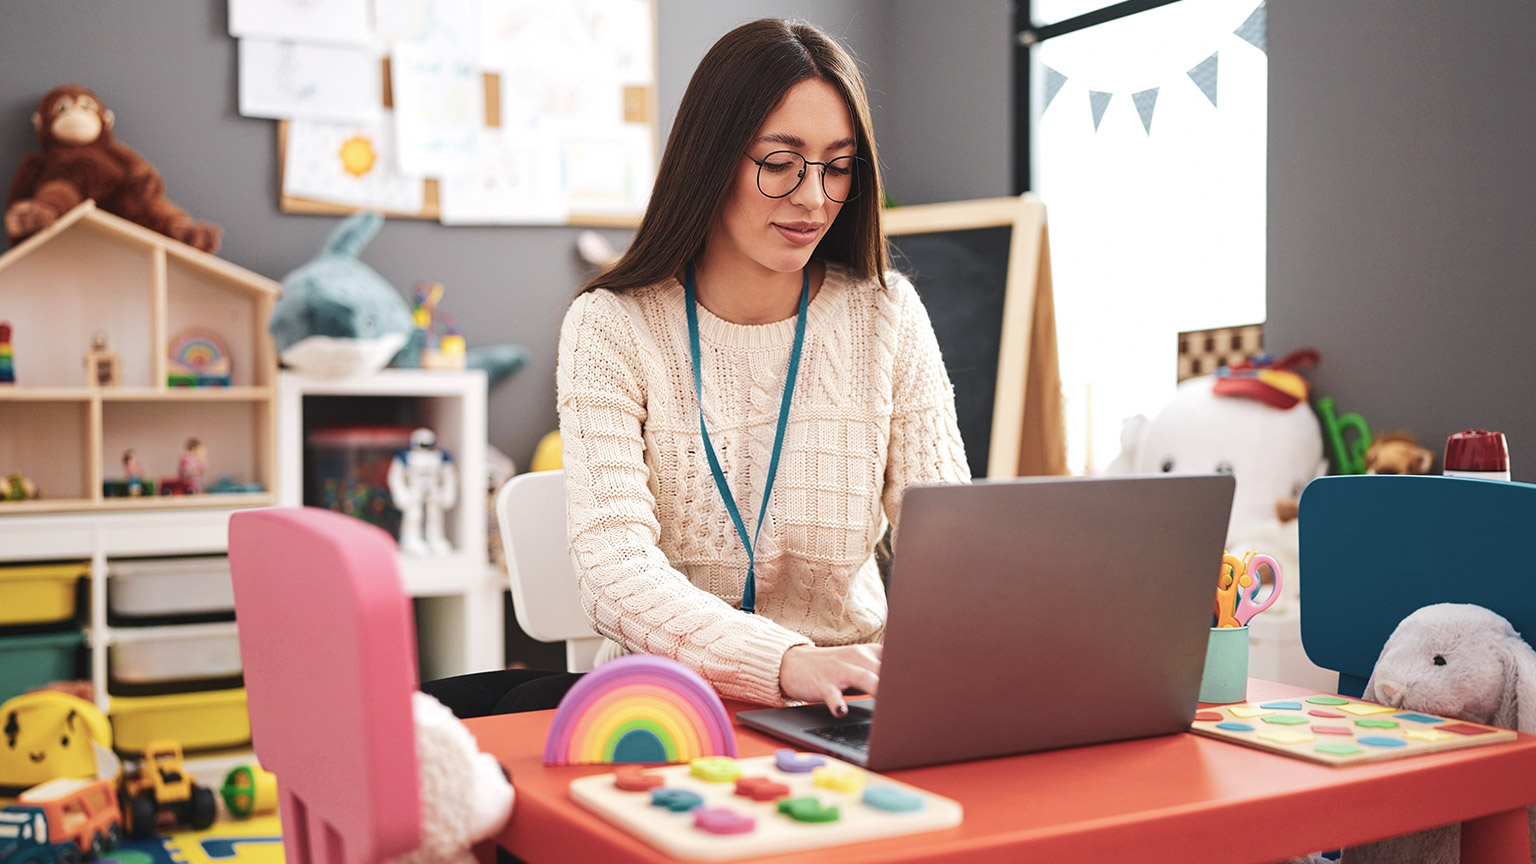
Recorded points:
(631, 593)
(925, 445)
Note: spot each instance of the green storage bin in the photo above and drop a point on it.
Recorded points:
(36, 659)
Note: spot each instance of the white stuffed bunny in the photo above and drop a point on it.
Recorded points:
(465, 797)
(1455, 660)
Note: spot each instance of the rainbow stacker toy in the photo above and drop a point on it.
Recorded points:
(639, 708)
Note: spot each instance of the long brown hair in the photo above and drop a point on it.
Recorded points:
(737, 85)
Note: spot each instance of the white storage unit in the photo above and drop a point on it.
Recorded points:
(159, 587)
(459, 597)
(173, 654)
(119, 542)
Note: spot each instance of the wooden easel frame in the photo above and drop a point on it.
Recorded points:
(1028, 436)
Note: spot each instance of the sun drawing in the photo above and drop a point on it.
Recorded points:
(357, 156)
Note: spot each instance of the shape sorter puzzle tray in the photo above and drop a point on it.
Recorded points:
(717, 807)
(1339, 731)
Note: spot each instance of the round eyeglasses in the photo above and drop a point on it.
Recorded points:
(781, 172)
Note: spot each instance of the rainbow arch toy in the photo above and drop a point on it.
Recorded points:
(639, 708)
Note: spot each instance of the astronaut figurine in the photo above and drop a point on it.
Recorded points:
(423, 484)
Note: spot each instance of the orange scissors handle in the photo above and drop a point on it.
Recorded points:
(1227, 590)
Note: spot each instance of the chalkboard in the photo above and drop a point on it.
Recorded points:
(982, 269)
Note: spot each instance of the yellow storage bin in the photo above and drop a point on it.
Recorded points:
(206, 720)
(39, 593)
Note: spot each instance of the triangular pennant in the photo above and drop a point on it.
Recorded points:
(1252, 30)
(1100, 101)
(1145, 101)
(1053, 82)
(1204, 77)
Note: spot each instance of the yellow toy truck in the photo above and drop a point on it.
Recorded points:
(160, 785)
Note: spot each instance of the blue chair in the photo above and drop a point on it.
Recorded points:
(1375, 547)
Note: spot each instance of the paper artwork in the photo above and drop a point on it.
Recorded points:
(332, 21)
(439, 99)
(348, 164)
(511, 184)
(447, 22)
(280, 79)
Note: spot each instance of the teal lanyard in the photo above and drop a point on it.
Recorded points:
(749, 591)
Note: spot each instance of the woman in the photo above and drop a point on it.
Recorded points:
(755, 287)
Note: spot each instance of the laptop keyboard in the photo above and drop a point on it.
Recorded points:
(855, 735)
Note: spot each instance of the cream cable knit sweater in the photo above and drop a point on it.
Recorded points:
(660, 566)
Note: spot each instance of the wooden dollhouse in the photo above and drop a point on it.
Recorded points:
(93, 279)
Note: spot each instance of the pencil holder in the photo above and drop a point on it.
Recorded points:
(1226, 666)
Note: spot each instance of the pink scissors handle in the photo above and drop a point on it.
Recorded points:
(1246, 608)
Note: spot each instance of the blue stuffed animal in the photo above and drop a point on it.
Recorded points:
(337, 317)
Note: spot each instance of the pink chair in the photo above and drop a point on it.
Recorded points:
(329, 649)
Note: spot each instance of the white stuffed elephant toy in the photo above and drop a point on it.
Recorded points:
(1272, 453)
(1455, 660)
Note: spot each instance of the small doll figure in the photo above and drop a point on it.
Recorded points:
(192, 465)
(133, 472)
(102, 366)
(422, 485)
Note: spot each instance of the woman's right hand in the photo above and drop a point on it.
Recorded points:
(811, 674)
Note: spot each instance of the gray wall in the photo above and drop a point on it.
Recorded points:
(168, 70)
(1402, 210)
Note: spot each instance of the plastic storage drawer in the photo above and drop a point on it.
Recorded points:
(36, 659)
(206, 720)
(144, 587)
(149, 655)
(39, 593)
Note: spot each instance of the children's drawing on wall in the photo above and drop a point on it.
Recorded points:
(280, 79)
(509, 183)
(329, 21)
(447, 22)
(439, 109)
(608, 170)
(348, 164)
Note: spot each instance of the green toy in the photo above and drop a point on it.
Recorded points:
(1349, 457)
(249, 790)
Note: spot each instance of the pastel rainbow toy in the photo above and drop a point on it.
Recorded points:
(639, 708)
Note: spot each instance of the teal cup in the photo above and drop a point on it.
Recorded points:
(1226, 666)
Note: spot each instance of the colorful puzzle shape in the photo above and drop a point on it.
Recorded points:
(761, 805)
(1337, 731)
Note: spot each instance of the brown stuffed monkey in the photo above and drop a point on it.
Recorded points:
(79, 159)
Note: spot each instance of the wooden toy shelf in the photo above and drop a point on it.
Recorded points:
(92, 274)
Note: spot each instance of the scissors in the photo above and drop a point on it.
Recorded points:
(1227, 590)
(1246, 607)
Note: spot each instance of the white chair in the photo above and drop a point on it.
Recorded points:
(530, 513)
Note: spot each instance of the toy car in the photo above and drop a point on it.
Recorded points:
(160, 784)
(60, 822)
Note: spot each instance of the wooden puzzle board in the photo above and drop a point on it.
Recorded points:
(771, 831)
(1334, 730)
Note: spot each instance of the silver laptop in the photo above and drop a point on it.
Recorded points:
(1033, 614)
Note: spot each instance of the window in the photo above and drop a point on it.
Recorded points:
(1147, 143)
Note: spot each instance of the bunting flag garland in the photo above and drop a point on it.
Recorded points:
(1204, 75)
(1145, 100)
(1252, 30)
(1053, 82)
(1099, 100)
